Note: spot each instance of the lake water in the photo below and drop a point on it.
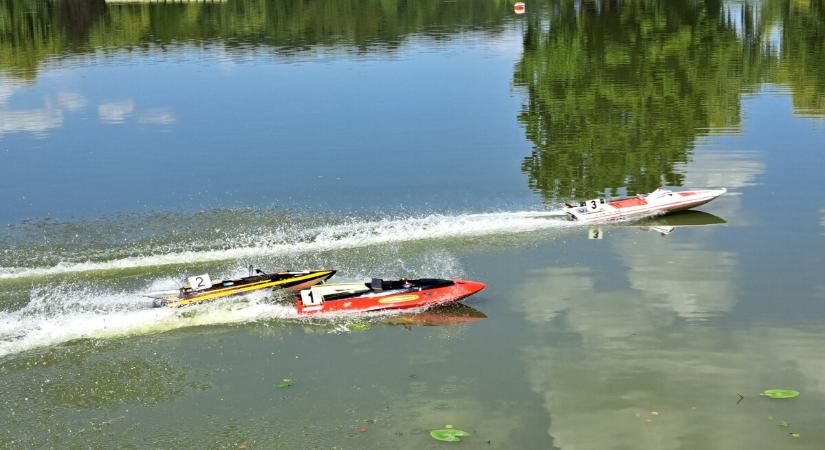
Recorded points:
(141, 143)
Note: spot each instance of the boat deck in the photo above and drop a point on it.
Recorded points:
(628, 202)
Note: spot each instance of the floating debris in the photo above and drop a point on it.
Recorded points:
(796, 435)
(359, 326)
(780, 393)
(448, 434)
(286, 382)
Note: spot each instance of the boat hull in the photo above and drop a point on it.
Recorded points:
(657, 202)
(288, 281)
(415, 298)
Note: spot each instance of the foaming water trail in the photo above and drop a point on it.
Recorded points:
(351, 234)
(64, 313)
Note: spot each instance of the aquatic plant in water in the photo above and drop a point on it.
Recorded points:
(448, 434)
(779, 393)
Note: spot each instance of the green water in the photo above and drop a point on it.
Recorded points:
(143, 143)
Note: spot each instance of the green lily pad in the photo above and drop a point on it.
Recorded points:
(779, 393)
(285, 383)
(448, 434)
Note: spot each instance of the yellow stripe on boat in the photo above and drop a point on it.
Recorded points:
(399, 298)
(246, 288)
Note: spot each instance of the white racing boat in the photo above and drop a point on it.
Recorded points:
(660, 201)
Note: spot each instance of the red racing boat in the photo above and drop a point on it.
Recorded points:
(381, 295)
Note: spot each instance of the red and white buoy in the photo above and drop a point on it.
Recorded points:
(519, 8)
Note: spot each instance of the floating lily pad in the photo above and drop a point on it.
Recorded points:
(448, 434)
(285, 383)
(779, 393)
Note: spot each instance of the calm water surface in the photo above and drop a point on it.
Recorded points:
(142, 143)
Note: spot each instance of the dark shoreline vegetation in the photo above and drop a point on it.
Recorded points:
(618, 95)
(616, 92)
(33, 31)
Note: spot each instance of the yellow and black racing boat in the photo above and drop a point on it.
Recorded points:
(201, 289)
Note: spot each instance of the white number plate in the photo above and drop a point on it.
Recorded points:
(594, 205)
(199, 282)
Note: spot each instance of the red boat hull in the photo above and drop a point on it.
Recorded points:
(459, 290)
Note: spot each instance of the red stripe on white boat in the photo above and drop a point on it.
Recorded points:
(628, 202)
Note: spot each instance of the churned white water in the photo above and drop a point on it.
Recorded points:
(58, 313)
(353, 234)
